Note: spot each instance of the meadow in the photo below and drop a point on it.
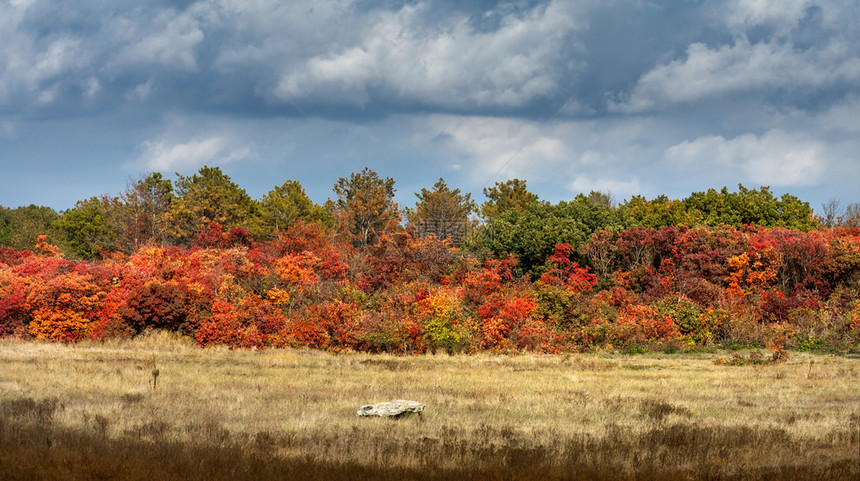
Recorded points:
(159, 407)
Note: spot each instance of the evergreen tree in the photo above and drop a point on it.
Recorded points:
(285, 204)
(208, 196)
(442, 212)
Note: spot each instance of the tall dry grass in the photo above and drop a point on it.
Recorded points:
(92, 411)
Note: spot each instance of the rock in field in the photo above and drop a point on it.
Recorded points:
(392, 409)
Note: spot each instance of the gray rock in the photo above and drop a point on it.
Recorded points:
(393, 409)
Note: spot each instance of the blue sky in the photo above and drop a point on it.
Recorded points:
(632, 97)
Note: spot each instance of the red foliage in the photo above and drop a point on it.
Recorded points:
(302, 238)
(495, 274)
(561, 270)
(11, 257)
(326, 325)
(399, 258)
(642, 324)
(211, 234)
(14, 312)
(63, 306)
(508, 321)
(306, 287)
(162, 305)
(250, 322)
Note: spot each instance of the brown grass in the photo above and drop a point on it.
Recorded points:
(92, 412)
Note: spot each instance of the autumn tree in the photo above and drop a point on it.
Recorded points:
(365, 206)
(442, 212)
(505, 196)
(285, 204)
(209, 196)
(602, 197)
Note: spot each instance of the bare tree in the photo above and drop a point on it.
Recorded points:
(851, 216)
(831, 213)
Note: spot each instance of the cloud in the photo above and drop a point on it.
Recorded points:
(169, 40)
(31, 66)
(843, 116)
(91, 87)
(784, 18)
(742, 68)
(785, 52)
(619, 188)
(451, 63)
(745, 14)
(498, 147)
(557, 158)
(164, 156)
(776, 158)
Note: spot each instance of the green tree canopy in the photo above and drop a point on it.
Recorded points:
(287, 203)
(208, 196)
(722, 207)
(659, 212)
(20, 227)
(532, 233)
(92, 225)
(750, 207)
(505, 196)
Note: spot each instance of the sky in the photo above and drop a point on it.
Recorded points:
(628, 97)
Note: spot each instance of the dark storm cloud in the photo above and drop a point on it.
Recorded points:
(212, 55)
(490, 57)
(618, 95)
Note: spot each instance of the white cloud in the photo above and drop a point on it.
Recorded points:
(619, 188)
(499, 147)
(742, 67)
(775, 158)
(745, 14)
(171, 43)
(48, 95)
(28, 63)
(441, 64)
(165, 156)
(622, 155)
(783, 16)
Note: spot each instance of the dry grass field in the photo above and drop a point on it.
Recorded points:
(92, 412)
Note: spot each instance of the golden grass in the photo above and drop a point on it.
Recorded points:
(90, 411)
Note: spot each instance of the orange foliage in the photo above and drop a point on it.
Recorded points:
(308, 287)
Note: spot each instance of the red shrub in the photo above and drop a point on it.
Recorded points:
(643, 325)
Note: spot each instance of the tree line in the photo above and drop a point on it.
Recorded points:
(155, 210)
(199, 256)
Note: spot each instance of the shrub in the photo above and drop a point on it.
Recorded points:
(686, 316)
(643, 325)
(443, 324)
